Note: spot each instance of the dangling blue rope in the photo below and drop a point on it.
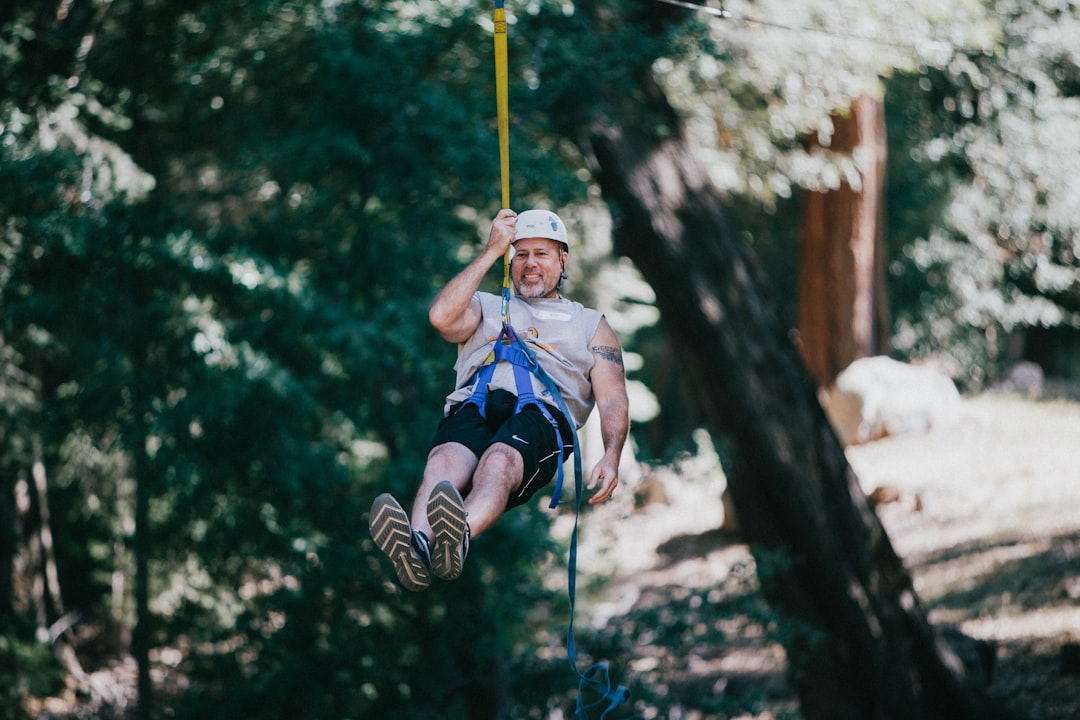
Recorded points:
(597, 677)
(589, 679)
(608, 698)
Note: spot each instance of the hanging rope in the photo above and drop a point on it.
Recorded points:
(503, 105)
(596, 679)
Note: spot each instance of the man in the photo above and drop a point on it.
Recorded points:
(503, 437)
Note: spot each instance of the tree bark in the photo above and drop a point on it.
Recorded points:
(843, 309)
(858, 641)
(50, 574)
(141, 638)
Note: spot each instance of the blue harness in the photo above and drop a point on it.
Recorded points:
(509, 347)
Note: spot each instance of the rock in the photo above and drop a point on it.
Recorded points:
(878, 396)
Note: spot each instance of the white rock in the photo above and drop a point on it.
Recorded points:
(878, 396)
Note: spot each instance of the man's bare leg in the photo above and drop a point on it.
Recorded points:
(497, 475)
(452, 462)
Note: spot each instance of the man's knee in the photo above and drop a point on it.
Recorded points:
(452, 457)
(447, 450)
(502, 462)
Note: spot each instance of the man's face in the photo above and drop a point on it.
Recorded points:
(537, 266)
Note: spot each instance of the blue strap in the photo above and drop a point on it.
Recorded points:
(596, 678)
(612, 696)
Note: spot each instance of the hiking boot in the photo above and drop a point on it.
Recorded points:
(407, 548)
(446, 514)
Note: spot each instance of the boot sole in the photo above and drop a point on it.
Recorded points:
(392, 533)
(446, 513)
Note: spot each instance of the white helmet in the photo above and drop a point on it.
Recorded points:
(542, 224)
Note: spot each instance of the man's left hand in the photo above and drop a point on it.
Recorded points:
(606, 476)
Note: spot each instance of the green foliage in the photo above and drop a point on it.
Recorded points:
(986, 206)
(221, 225)
(31, 661)
(238, 282)
(757, 83)
(981, 106)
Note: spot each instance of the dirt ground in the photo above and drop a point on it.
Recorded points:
(985, 512)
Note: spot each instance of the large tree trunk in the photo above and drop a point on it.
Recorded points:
(859, 643)
(843, 310)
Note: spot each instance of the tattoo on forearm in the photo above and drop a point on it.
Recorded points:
(608, 352)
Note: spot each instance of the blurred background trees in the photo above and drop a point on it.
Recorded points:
(220, 228)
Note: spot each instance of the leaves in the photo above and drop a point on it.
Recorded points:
(221, 225)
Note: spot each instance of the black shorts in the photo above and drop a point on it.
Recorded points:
(529, 432)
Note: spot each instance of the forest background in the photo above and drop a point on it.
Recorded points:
(221, 224)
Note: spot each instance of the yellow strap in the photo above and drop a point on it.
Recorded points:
(504, 131)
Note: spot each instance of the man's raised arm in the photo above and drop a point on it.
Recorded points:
(453, 313)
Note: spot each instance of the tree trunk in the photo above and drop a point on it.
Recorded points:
(843, 310)
(858, 641)
(50, 574)
(8, 542)
(141, 639)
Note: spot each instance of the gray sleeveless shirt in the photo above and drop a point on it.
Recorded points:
(557, 329)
